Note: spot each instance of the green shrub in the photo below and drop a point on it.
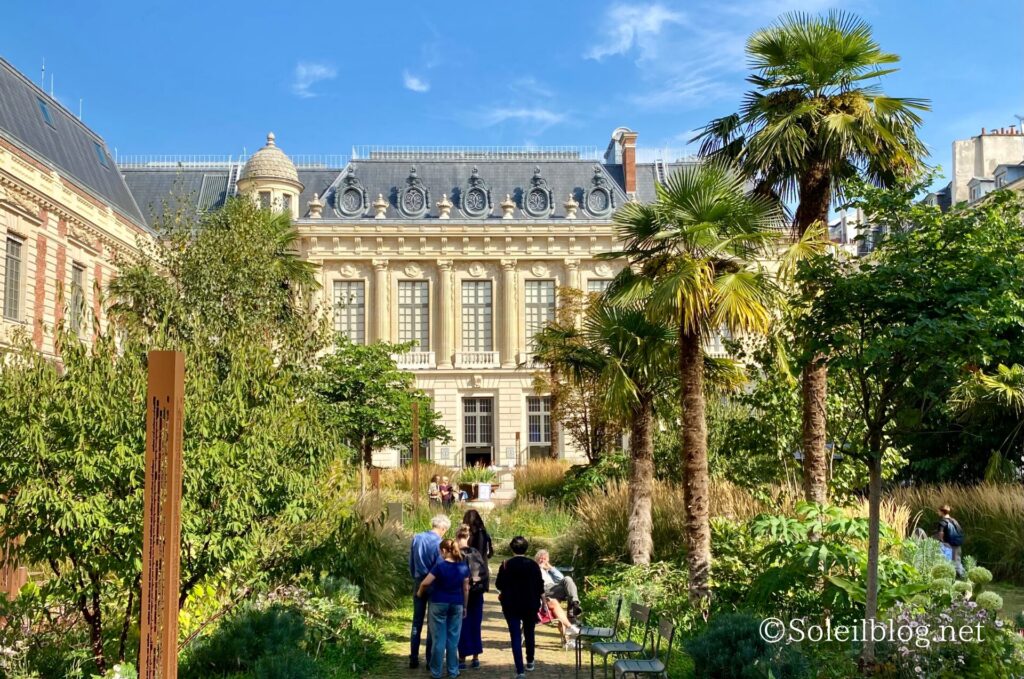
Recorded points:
(963, 587)
(244, 639)
(661, 585)
(943, 570)
(979, 576)
(992, 516)
(732, 648)
(942, 584)
(292, 664)
(990, 601)
(477, 474)
(582, 480)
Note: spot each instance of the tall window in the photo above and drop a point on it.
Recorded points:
(265, 200)
(77, 297)
(597, 286)
(477, 316)
(540, 307)
(350, 310)
(538, 411)
(414, 313)
(12, 279)
(478, 430)
(286, 202)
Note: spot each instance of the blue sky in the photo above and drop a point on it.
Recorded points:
(214, 77)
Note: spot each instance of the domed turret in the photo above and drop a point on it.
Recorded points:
(269, 176)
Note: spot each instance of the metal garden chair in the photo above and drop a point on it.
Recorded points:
(596, 634)
(654, 665)
(639, 616)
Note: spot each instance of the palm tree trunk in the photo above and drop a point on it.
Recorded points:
(696, 492)
(874, 526)
(641, 482)
(815, 200)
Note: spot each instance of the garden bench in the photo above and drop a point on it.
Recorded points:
(596, 634)
(638, 616)
(653, 665)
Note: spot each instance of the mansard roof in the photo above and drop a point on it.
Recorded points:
(41, 127)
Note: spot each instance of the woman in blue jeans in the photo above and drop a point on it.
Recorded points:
(448, 582)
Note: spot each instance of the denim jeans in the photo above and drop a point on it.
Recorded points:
(520, 630)
(445, 625)
(419, 613)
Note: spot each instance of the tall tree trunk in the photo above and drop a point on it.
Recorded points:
(696, 492)
(814, 391)
(641, 482)
(554, 408)
(815, 199)
(874, 526)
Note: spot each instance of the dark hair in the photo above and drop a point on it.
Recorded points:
(519, 545)
(449, 546)
(475, 522)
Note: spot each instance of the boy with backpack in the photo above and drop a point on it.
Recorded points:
(950, 533)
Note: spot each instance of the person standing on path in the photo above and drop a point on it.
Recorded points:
(522, 589)
(423, 554)
(478, 539)
(448, 582)
(950, 533)
(471, 640)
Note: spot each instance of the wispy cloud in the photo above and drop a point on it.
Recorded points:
(309, 73)
(629, 26)
(687, 60)
(415, 83)
(536, 115)
(531, 86)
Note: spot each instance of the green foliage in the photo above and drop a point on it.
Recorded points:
(660, 585)
(943, 570)
(979, 576)
(477, 474)
(584, 479)
(291, 633)
(371, 399)
(731, 647)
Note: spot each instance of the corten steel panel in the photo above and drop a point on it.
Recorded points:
(161, 538)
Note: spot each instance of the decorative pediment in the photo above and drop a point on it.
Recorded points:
(538, 200)
(414, 197)
(600, 201)
(475, 199)
(350, 196)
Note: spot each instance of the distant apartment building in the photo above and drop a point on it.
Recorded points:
(991, 160)
(66, 216)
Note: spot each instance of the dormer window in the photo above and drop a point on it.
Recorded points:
(44, 110)
(100, 154)
(265, 200)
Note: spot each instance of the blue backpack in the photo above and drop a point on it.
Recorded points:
(954, 535)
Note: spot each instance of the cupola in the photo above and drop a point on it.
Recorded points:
(270, 177)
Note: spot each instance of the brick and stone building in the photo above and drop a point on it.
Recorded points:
(66, 215)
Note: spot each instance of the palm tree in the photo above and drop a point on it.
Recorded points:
(630, 353)
(694, 250)
(812, 121)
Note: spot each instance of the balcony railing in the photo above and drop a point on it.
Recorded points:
(528, 359)
(477, 359)
(415, 360)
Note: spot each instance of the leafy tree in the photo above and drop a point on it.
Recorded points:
(577, 394)
(811, 123)
(695, 248)
(372, 399)
(940, 295)
(226, 290)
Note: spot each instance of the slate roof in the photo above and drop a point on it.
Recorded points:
(63, 142)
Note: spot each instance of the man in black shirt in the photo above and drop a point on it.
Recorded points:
(522, 589)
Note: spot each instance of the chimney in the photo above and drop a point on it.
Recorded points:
(625, 140)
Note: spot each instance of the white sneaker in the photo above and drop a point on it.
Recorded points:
(573, 631)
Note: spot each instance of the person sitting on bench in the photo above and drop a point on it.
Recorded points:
(557, 586)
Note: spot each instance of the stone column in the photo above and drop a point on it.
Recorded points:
(509, 313)
(445, 334)
(380, 311)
